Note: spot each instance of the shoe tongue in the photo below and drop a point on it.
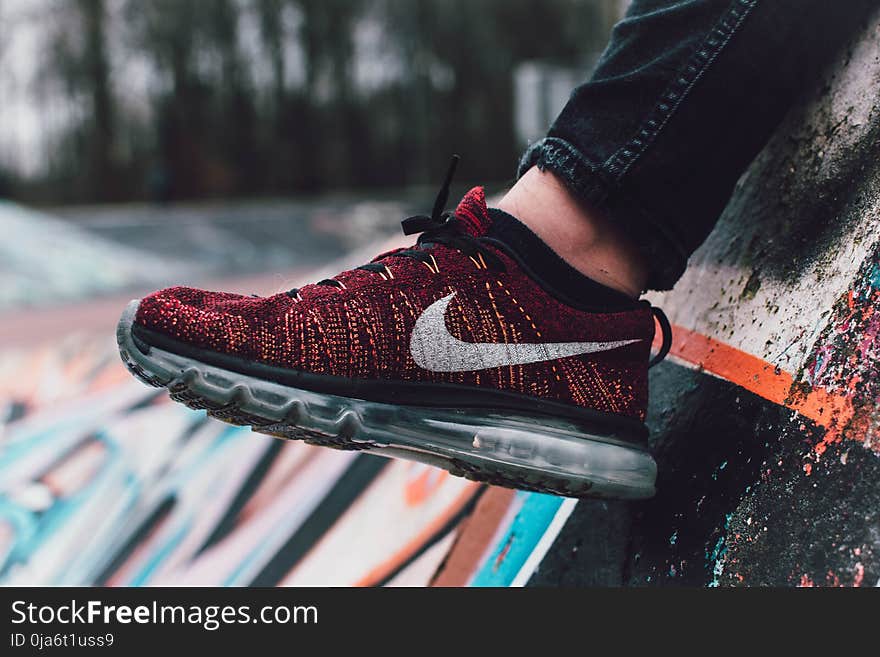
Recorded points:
(473, 214)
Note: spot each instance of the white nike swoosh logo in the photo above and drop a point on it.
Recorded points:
(434, 348)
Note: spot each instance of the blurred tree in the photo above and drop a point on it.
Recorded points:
(268, 96)
(234, 130)
(170, 32)
(329, 141)
(101, 170)
(274, 36)
(78, 62)
(461, 55)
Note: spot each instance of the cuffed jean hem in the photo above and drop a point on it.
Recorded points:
(666, 256)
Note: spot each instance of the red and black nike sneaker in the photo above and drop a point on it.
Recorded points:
(478, 350)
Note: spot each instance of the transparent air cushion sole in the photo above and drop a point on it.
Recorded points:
(526, 451)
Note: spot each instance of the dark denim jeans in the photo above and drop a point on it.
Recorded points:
(684, 97)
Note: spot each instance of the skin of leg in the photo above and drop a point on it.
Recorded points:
(582, 236)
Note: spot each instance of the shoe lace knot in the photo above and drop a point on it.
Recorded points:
(440, 227)
(443, 227)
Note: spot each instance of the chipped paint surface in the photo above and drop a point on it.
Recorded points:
(846, 359)
(765, 421)
(802, 222)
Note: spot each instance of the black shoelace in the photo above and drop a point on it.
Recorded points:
(440, 227)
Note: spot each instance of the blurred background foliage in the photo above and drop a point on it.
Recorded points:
(189, 99)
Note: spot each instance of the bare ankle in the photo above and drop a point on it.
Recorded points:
(583, 237)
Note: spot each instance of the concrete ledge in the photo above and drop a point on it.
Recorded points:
(765, 421)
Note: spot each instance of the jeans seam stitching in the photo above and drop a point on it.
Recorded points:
(622, 160)
(570, 151)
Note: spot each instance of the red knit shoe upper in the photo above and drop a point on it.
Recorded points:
(362, 326)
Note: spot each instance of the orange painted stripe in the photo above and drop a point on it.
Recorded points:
(422, 487)
(827, 409)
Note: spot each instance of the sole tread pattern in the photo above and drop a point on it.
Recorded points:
(232, 414)
(227, 407)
